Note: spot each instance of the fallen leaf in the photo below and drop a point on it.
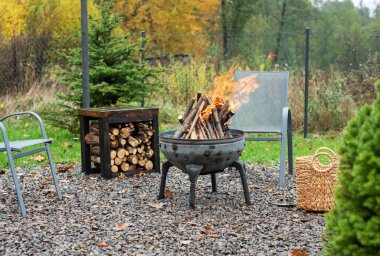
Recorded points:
(168, 194)
(157, 205)
(199, 239)
(207, 230)
(67, 144)
(186, 242)
(65, 169)
(297, 252)
(231, 226)
(38, 158)
(122, 176)
(267, 190)
(102, 245)
(120, 226)
(143, 195)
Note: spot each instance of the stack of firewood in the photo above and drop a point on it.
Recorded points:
(130, 146)
(205, 119)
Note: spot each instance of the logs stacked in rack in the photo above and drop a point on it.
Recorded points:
(205, 119)
(130, 146)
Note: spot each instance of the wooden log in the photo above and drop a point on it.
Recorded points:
(121, 152)
(124, 166)
(202, 134)
(113, 154)
(133, 159)
(132, 167)
(224, 110)
(149, 153)
(118, 161)
(95, 150)
(114, 143)
(114, 168)
(204, 129)
(188, 120)
(188, 108)
(115, 131)
(210, 129)
(91, 139)
(112, 137)
(132, 150)
(142, 162)
(195, 119)
(94, 128)
(148, 165)
(217, 123)
(133, 141)
(180, 119)
(95, 159)
(141, 148)
(227, 116)
(125, 132)
(199, 95)
(122, 142)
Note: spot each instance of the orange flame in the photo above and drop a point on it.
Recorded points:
(207, 112)
(235, 92)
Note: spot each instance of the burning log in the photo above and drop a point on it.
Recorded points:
(206, 120)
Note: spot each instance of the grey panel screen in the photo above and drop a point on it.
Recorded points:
(263, 110)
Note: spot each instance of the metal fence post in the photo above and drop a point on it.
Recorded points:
(85, 65)
(306, 82)
(142, 60)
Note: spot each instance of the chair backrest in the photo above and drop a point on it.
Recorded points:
(263, 111)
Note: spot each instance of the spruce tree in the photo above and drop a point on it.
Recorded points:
(353, 225)
(117, 76)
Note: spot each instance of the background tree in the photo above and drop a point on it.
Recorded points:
(174, 26)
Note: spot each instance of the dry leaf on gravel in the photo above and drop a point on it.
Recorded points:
(207, 230)
(120, 226)
(157, 205)
(102, 245)
(122, 176)
(168, 194)
(65, 169)
(186, 242)
(38, 158)
(297, 252)
(267, 190)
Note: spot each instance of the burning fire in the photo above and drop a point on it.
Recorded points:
(236, 93)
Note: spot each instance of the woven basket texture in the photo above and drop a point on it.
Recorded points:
(315, 182)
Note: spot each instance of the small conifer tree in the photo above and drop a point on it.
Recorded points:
(353, 225)
(117, 76)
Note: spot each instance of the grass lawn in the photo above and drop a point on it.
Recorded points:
(66, 146)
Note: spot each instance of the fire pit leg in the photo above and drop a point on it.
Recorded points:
(241, 167)
(193, 171)
(213, 182)
(165, 168)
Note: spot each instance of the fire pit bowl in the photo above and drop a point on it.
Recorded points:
(201, 157)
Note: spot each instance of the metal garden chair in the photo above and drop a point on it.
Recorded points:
(267, 112)
(18, 146)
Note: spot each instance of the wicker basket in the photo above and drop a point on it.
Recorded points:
(315, 182)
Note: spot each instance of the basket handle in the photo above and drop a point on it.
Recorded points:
(328, 166)
(325, 150)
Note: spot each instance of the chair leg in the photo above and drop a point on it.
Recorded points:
(53, 173)
(282, 159)
(290, 145)
(17, 185)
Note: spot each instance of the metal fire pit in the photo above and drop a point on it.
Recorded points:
(201, 157)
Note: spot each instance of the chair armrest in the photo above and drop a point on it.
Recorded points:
(39, 119)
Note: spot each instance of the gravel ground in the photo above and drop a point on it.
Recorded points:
(123, 216)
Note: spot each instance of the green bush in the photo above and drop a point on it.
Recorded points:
(353, 225)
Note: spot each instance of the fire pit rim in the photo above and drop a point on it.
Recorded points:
(166, 137)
